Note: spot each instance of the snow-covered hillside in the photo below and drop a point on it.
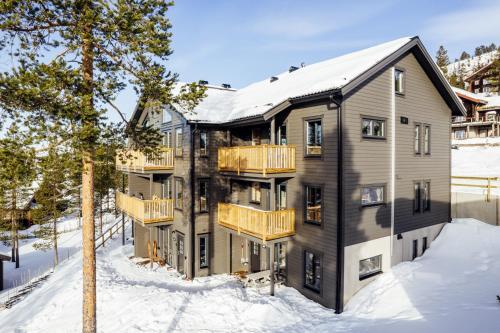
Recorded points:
(468, 66)
(451, 288)
(474, 160)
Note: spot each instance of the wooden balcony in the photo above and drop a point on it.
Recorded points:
(139, 162)
(265, 225)
(146, 211)
(264, 159)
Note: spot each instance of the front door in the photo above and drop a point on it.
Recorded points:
(255, 257)
(180, 253)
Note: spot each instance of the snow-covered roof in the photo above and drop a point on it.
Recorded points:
(469, 95)
(493, 101)
(224, 105)
(471, 65)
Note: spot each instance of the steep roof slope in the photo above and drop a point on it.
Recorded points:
(223, 105)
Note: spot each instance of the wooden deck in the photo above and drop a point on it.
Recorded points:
(146, 211)
(265, 225)
(139, 162)
(264, 159)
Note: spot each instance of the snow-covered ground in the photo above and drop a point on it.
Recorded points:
(451, 288)
(481, 161)
(33, 262)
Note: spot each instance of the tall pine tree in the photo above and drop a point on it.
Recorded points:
(72, 58)
(442, 59)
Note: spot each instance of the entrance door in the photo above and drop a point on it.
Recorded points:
(255, 251)
(281, 196)
(180, 253)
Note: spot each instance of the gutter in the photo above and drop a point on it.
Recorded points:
(192, 212)
(339, 294)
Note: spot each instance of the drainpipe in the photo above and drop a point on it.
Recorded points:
(393, 159)
(339, 294)
(192, 212)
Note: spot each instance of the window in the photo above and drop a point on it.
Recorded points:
(416, 198)
(399, 81)
(313, 204)
(203, 143)
(426, 198)
(417, 139)
(459, 134)
(314, 137)
(166, 189)
(312, 271)
(255, 192)
(370, 267)
(167, 139)
(373, 128)
(167, 117)
(204, 251)
(372, 195)
(178, 193)
(203, 195)
(427, 139)
(424, 244)
(255, 136)
(178, 141)
(414, 252)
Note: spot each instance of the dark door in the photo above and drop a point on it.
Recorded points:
(255, 257)
(180, 253)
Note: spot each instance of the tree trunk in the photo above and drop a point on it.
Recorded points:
(88, 230)
(56, 254)
(15, 240)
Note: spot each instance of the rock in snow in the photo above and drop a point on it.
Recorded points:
(451, 288)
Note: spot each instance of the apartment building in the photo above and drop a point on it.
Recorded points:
(321, 177)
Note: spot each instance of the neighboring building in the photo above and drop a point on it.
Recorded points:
(482, 119)
(475, 72)
(334, 172)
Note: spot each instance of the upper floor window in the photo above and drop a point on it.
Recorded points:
(314, 137)
(399, 81)
(459, 134)
(373, 128)
(178, 141)
(255, 192)
(203, 195)
(418, 149)
(204, 251)
(427, 139)
(372, 195)
(203, 143)
(416, 197)
(178, 193)
(167, 117)
(313, 204)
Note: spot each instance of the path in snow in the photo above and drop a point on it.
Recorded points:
(451, 288)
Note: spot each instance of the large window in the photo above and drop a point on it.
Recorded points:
(373, 128)
(166, 189)
(178, 141)
(459, 134)
(167, 139)
(426, 196)
(372, 195)
(178, 193)
(312, 271)
(203, 143)
(255, 192)
(417, 147)
(399, 81)
(204, 251)
(427, 139)
(313, 204)
(416, 197)
(314, 137)
(370, 266)
(203, 195)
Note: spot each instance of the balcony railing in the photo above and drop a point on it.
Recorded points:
(139, 162)
(146, 211)
(482, 119)
(257, 159)
(265, 225)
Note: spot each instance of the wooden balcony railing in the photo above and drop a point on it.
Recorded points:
(139, 162)
(481, 119)
(146, 211)
(257, 159)
(265, 225)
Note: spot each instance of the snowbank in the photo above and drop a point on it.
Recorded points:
(481, 161)
(451, 288)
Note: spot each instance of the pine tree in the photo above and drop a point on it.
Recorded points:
(442, 59)
(72, 58)
(17, 172)
(464, 56)
(494, 74)
(52, 197)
